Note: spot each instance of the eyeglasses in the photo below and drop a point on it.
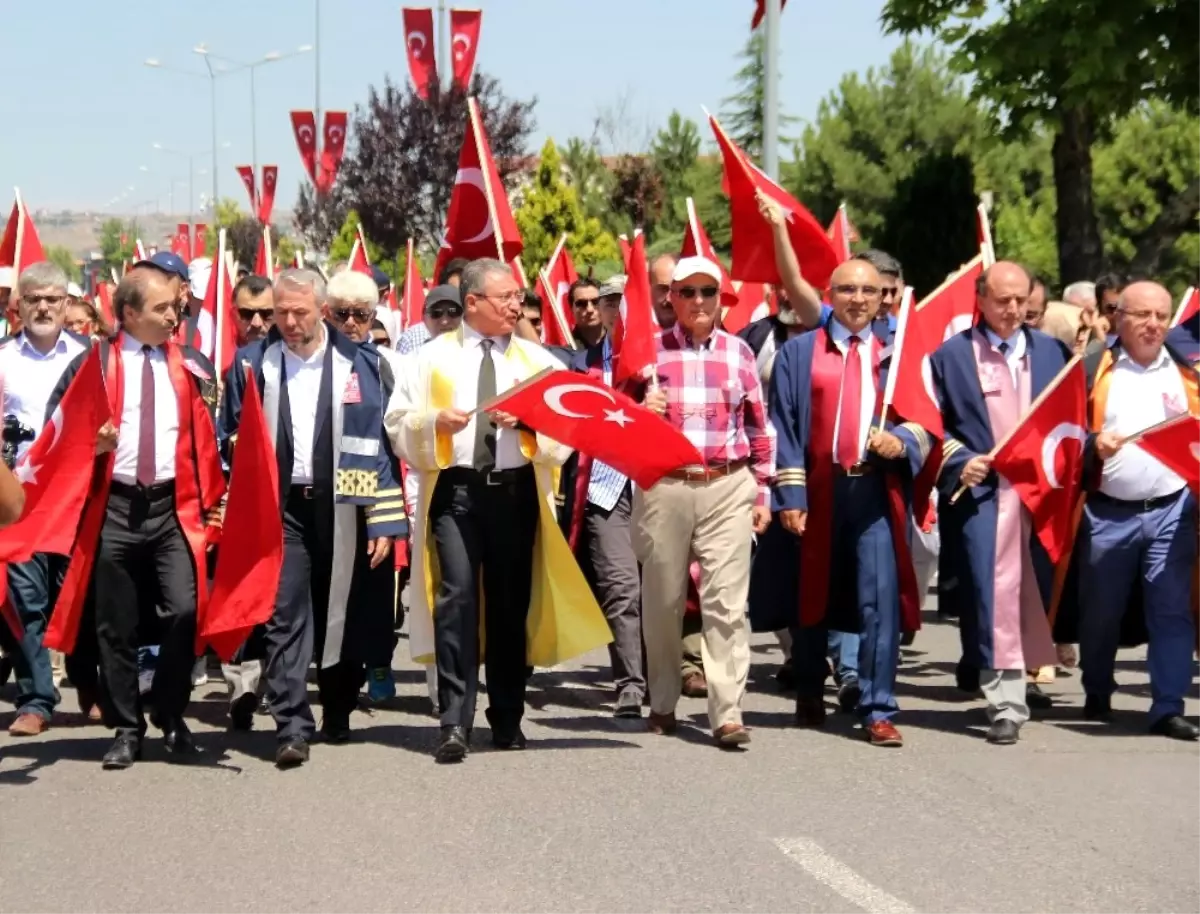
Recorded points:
(248, 314)
(849, 291)
(583, 303)
(34, 300)
(441, 313)
(515, 297)
(1157, 317)
(344, 314)
(889, 291)
(690, 292)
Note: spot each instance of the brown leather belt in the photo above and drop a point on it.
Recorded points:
(702, 474)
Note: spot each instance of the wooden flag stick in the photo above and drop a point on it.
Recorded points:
(1049, 389)
(556, 309)
(491, 402)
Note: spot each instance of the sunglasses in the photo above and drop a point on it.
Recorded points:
(344, 314)
(442, 313)
(583, 304)
(248, 314)
(34, 300)
(690, 292)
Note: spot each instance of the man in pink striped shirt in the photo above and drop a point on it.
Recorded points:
(707, 385)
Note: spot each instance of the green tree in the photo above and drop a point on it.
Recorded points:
(637, 196)
(1075, 66)
(57, 254)
(550, 208)
(116, 242)
(742, 115)
(587, 174)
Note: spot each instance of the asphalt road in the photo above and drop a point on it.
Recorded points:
(599, 815)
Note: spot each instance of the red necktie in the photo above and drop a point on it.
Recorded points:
(146, 464)
(847, 441)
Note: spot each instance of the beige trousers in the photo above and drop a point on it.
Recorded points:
(712, 521)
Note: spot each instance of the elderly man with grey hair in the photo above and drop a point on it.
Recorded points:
(1082, 295)
(31, 364)
(340, 501)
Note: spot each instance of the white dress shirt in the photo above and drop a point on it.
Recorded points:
(1016, 351)
(1137, 399)
(29, 377)
(304, 388)
(866, 413)
(466, 389)
(166, 415)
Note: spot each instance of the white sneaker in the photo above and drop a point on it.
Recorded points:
(200, 671)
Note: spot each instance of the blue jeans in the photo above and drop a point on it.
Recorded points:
(843, 651)
(33, 587)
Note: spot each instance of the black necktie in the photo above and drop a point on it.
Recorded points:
(1004, 349)
(485, 428)
(146, 464)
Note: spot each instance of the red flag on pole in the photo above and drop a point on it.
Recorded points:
(304, 126)
(760, 11)
(1188, 306)
(752, 306)
(199, 240)
(696, 243)
(418, 39)
(181, 243)
(266, 203)
(246, 173)
(1042, 457)
(480, 222)
(250, 556)
(264, 261)
(56, 471)
(464, 43)
(753, 245)
(20, 245)
(215, 324)
(634, 345)
(105, 303)
(588, 415)
(1175, 444)
(139, 251)
(359, 262)
(559, 274)
(333, 148)
(842, 233)
(412, 309)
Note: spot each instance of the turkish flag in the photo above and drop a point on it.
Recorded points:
(250, 555)
(753, 245)
(1175, 444)
(418, 39)
(266, 203)
(105, 303)
(215, 324)
(480, 222)
(556, 280)
(139, 251)
(56, 471)
(696, 244)
(1189, 306)
(20, 245)
(359, 262)
(464, 43)
(246, 173)
(841, 233)
(1042, 458)
(948, 310)
(753, 305)
(585, 413)
(412, 308)
(199, 240)
(760, 11)
(634, 343)
(181, 243)
(333, 148)
(304, 126)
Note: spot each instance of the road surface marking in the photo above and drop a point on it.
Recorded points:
(831, 872)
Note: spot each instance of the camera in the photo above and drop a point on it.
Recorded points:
(13, 435)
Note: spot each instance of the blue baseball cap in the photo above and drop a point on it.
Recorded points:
(171, 264)
(382, 280)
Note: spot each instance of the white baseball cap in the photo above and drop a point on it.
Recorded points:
(693, 266)
(74, 291)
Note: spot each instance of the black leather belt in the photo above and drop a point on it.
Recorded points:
(150, 493)
(1144, 504)
(859, 469)
(469, 476)
(304, 492)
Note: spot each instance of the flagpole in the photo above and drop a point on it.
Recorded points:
(773, 8)
(442, 51)
(1132, 439)
(477, 130)
(270, 254)
(1049, 389)
(562, 239)
(20, 244)
(556, 310)
(363, 238)
(889, 392)
(1179, 311)
(220, 289)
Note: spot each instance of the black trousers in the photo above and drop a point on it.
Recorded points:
(143, 571)
(483, 525)
(296, 631)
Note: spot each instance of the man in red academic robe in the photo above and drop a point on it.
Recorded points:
(142, 536)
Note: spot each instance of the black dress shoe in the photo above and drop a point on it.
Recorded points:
(336, 732)
(509, 739)
(967, 677)
(179, 742)
(1176, 726)
(1036, 698)
(452, 747)
(1003, 732)
(849, 692)
(241, 711)
(291, 754)
(125, 750)
(1098, 707)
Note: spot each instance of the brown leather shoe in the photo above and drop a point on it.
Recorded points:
(89, 704)
(731, 736)
(695, 685)
(884, 733)
(810, 712)
(662, 724)
(28, 725)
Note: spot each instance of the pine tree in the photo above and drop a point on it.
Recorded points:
(550, 208)
(743, 115)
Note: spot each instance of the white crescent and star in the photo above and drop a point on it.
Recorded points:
(474, 177)
(1050, 446)
(466, 45)
(553, 397)
(334, 135)
(306, 134)
(25, 471)
(1195, 449)
(418, 39)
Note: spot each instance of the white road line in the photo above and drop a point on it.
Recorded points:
(834, 874)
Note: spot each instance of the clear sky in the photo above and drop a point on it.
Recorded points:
(84, 111)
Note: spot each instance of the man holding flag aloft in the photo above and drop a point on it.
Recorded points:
(986, 378)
